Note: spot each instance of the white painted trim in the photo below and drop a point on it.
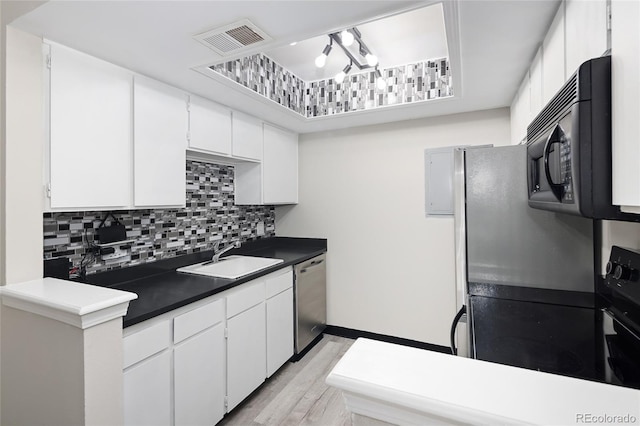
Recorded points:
(452, 30)
(630, 209)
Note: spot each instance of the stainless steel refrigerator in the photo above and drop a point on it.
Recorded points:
(526, 276)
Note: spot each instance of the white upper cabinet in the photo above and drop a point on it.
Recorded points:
(625, 67)
(160, 133)
(521, 112)
(89, 163)
(535, 85)
(209, 126)
(586, 23)
(280, 166)
(247, 136)
(275, 179)
(553, 73)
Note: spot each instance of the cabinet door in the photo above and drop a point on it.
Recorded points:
(209, 126)
(160, 133)
(535, 85)
(625, 108)
(553, 57)
(521, 112)
(247, 182)
(246, 354)
(147, 392)
(279, 330)
(280, 166)
(586, 32)
(90, 132)
(199, 365)
(247, 136)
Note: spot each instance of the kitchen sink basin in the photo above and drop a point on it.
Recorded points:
(231, 266)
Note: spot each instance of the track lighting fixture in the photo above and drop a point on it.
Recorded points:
(322, 58)
(359, 55)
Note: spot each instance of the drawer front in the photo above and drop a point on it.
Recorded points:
(279, 283)
(193, 322)
(144, 343)
(247, 296)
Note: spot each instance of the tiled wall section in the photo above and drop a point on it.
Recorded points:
(209, 216)
(405, 84)
(264, 76)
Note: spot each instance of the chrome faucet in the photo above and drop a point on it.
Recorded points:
(216, 254)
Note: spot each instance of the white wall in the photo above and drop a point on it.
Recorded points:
(623, 234)
(23, 158)
(390, 270)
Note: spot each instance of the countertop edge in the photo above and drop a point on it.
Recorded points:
(67, 301)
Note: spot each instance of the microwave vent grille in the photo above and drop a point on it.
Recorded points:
(552, 111)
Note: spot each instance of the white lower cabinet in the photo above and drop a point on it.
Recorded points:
(246, 342)
(198, 368)
(181, 366)
(246, 356)
(147, 392)
(279, 330)
(279, 286)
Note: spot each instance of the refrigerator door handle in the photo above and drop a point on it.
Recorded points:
(459, 219)
(454, 325)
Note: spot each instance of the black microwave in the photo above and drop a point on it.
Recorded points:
(569, 147)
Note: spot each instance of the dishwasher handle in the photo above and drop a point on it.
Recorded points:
(312, 265)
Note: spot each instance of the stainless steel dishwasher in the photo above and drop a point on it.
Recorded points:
(310, 290)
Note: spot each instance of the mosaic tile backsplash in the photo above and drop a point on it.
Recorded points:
(405, 84)
(209, 216)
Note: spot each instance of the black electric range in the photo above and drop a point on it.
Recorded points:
(594, 336)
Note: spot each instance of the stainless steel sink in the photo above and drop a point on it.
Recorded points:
(231, 266)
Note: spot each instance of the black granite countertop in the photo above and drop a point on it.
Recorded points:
(161, 289)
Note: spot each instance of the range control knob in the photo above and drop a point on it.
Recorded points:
(611, 267)
(622, 272)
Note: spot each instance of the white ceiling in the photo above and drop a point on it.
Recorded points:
(405, 38)
(490, 49)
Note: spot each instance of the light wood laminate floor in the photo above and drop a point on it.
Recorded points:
(297, 393)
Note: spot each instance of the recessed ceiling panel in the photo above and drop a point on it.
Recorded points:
(400, 39)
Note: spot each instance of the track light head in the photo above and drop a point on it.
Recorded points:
(381, 83)
(342, 74)
(372, 59)
(321, 60)
(346, 38)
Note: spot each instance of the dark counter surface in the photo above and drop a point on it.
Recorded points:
(161, 289)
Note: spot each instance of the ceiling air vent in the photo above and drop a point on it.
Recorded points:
(232, 38)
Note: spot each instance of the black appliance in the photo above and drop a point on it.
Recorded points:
(619, 320)
(569, 147)
(594, 337)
